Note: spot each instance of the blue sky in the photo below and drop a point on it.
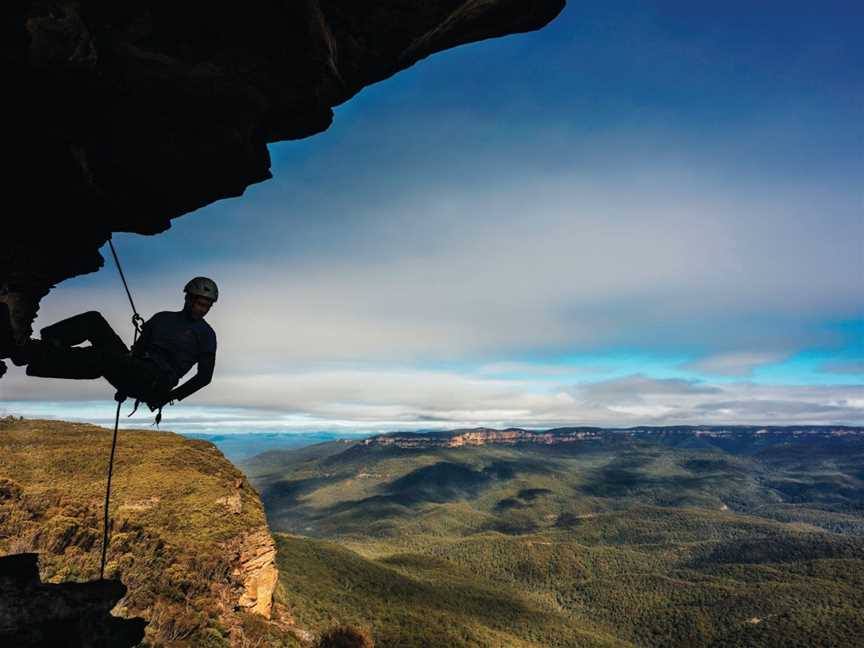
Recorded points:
(644, 213)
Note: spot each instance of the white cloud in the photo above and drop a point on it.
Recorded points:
(740, 363)
(535, 370)
(638, 387)
(851, 367)
(410, 399)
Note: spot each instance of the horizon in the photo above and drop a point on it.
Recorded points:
(638, 215)
(194, 427)
(242, 444)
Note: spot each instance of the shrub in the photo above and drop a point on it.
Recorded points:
(346, 637)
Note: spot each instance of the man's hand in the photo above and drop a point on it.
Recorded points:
(157, 405)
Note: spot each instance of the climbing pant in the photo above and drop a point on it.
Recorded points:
(107, 356)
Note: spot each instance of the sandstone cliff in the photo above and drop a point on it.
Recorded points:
(481, 436)
(189, 538)
(665, 434)
(255, 567)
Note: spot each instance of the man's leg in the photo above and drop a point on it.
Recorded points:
(87, 327)
(56, 357)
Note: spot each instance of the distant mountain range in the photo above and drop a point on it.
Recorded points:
(678, 433)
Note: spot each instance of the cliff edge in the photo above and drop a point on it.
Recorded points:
(189, 539)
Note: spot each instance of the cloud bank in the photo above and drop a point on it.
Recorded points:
(409, 399)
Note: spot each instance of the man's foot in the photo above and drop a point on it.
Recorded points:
(22, 354)
(7, 339)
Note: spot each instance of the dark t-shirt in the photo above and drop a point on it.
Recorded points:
(175, 341)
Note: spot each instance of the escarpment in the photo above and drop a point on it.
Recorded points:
(189, 540)
(670, 435)
(121, 116)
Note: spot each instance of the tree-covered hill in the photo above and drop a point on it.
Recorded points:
(626, 540)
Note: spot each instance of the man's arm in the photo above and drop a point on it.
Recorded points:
(202, 378)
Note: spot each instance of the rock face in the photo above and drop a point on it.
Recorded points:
(668, 434)
(33, 614)
(123, 115)
(481, 436)
(255, 567)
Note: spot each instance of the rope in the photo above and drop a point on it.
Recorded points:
(137, 321)
(108, 491)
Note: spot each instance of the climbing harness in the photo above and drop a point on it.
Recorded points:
(137, 322)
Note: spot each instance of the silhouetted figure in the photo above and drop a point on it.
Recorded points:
(169, 345)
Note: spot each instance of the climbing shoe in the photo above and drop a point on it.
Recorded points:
(20, 354)
(23, 354)
(7, 339)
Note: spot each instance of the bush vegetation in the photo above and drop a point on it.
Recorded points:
(631, 543)
(171, 537)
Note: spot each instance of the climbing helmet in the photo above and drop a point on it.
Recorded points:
(203, 287)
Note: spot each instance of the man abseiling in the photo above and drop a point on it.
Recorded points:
(169, 345)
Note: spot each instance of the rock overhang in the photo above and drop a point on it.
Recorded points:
(124, 115)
